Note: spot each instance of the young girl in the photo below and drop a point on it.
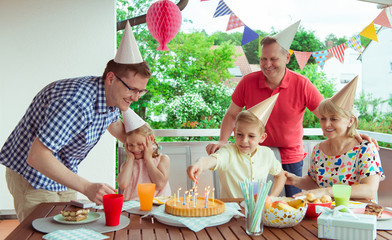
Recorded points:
(341, 159)
(144, 164)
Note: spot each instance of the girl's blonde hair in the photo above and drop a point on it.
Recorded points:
(327, 107)
(146, 131)
(250, 118)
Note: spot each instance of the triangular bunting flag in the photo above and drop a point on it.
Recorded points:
(222, 9)
(320, 57)
(338, 52)
(234, 22)
(248, 36)
(369, 32)
(355, 43)
(302, 58)
(291, 52)
(382, 18)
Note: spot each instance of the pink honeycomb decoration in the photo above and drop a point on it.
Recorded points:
(163, 22)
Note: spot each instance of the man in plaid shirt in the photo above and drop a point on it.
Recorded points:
(62, 124)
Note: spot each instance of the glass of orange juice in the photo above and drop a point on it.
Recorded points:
(146, 192)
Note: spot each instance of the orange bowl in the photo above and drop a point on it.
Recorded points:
(311, 211)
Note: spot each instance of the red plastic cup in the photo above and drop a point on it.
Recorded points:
(112, 206)
(311, 211)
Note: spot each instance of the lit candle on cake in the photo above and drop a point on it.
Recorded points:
(175, 199)
(195, 199)
(184, 196)
(178, 194)
(205, 197)
(191, 193)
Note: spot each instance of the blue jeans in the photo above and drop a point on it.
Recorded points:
(294, 168)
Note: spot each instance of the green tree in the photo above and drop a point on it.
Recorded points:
(335, 40)
(191, 73)
(323, 84)
(251, 49)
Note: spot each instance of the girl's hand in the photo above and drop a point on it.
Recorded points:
(148, 148)
(129, 154)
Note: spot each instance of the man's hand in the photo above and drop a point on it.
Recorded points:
(360, 137)
(213, 147)
(95, 192)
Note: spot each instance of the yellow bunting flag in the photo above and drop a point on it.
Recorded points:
(369, 32)
(291, 52)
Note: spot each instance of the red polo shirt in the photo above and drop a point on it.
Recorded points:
(284, 127)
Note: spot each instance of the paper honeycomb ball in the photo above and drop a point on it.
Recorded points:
(163, 21)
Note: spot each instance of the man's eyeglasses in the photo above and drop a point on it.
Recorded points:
(134, 91)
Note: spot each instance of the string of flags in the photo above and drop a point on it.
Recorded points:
(383, 19)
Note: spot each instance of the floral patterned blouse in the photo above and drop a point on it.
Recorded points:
(349, 168)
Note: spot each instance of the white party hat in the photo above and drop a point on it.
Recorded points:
(345, 97)
(131, 120)
(128, 51)
(286, 37)
(263, 109)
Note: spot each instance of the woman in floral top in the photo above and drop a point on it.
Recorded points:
(341, 159)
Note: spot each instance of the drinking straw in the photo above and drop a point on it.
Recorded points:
(261, 196)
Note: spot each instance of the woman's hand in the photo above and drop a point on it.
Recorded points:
(291, 179)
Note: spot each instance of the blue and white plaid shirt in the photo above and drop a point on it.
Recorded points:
(68, 116)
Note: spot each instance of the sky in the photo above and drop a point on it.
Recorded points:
(340, 17)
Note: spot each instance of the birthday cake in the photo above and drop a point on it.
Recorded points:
(189, 208)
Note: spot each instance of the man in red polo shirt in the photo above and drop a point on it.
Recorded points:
(297, 93)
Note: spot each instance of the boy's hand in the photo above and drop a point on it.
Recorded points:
(194, 172)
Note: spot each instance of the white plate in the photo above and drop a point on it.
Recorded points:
(386, 215)
(176, 223)
(162, 200)
(92, 216)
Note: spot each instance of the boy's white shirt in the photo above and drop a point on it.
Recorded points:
(234, 166)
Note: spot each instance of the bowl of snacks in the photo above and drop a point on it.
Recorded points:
(284, 212)
(312, 202)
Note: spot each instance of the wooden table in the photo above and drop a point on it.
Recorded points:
(234, 229)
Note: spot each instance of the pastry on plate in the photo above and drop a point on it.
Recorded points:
(374, 209)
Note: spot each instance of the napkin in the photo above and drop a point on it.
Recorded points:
(354, 204)
(198, 223)
(76, 234)
(384, 224)
(126, 205)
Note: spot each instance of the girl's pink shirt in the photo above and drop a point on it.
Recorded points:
(140, 175)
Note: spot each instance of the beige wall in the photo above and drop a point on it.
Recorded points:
(46, 40)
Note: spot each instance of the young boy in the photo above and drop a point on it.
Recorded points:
(245, 158)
